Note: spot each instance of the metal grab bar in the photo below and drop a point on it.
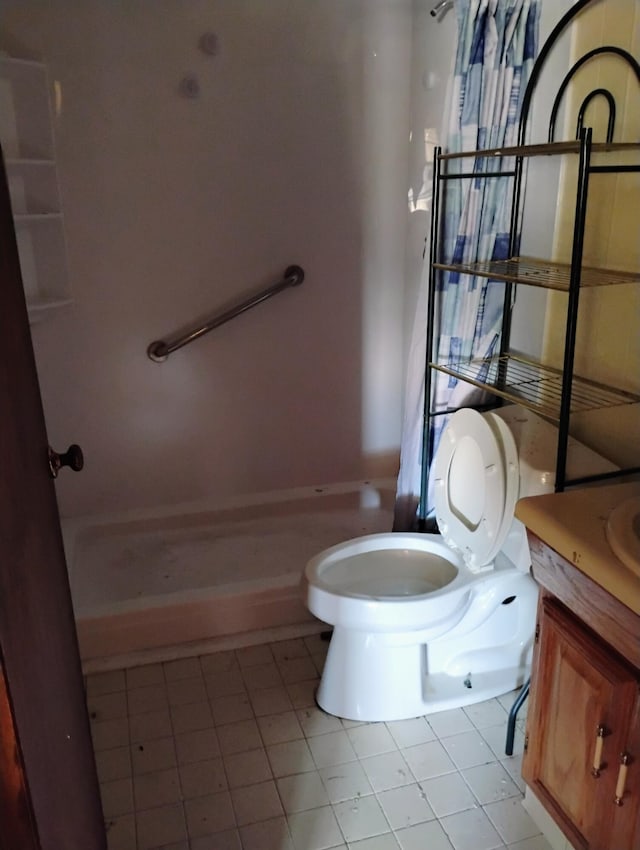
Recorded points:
(159, 350)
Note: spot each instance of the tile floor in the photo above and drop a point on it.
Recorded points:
(229, 752)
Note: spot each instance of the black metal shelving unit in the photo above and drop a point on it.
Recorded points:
(551, 392)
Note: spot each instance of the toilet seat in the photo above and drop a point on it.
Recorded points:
(476, 485)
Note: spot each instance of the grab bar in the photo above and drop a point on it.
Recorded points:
(159, 350)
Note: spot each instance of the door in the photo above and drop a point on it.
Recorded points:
(49, 796)
(584, 700)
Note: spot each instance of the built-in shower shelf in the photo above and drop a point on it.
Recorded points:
(535, 386)
(26, 134)
(543, 273)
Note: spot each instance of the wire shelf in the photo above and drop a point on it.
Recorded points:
(536, 387)
(546, 149)
(543, 273)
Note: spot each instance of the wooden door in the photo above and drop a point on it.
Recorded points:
(584, 700)
(49, 795)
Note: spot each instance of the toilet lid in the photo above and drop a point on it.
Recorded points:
(475, 485)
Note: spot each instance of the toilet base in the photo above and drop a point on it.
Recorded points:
(442, 692)
(379, 676)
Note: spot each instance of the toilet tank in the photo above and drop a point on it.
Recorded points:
(537, 442)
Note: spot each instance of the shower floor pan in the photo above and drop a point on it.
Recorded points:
(148, 583)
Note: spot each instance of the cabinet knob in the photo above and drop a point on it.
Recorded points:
(601, 731)
(622, 778)
(73, 458)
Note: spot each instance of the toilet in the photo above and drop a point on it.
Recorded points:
(428, 622)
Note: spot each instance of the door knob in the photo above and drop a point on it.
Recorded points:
(72, 458)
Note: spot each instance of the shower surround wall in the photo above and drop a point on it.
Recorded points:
(294, 151)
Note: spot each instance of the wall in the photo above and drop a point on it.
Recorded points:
(293, 152)
(608, 341)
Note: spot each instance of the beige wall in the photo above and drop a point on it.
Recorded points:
(608, 344)
(295, 151)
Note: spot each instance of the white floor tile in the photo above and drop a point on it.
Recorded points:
(106, 683)
(186, 691)
(110, 733)
(202, 777)
(371, 740)
(388, 770)
(302, 791)
(219, 662)
(147, 698)
(117, 797)
(182, 668)
(361, 818)
(239, 737)
(405, 806)
(496, 737)
(303, 694)
(511, 820)
(315, 830)
(290, 757)
(513, 766)
(210, 814)
(149, 756)
(345, 781)
(107, 706)
(191, 718)
(152, 724)
(483, 714)
(159, 826)
(314, 721)
(247, 768)
(258, 802)
(261, 676)
(121, 832)
(251, 656)
(387, 841)
(471, 830)
(156, 789)
(230, 709)
(270, 701)
(447, 723)
(266, 835)
(490, 783)
(287, 649)
(148, 674)
(538, 842)
(113, 764)
(448, 794)
(197, 746)
(334, 748)
(424, 836)
(224, 684)
(428, 760)
(228, 839)
(297, 669)
(298, 778)
(468, 749)
(278, 728)
(410, 733)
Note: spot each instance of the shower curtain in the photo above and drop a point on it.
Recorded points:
(496, 49)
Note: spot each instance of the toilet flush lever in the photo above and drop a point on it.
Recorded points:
(72, 458)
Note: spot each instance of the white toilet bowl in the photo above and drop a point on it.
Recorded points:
(426, 622)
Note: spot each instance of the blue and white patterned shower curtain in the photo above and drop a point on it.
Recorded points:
(497, 46)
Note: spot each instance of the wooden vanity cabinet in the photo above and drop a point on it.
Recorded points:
(582, 747)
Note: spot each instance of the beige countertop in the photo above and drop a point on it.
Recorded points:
(573, 524)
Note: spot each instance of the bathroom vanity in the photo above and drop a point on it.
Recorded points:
(582, 745)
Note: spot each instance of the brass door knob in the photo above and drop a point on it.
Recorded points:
(73, 458)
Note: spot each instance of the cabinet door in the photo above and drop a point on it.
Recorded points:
(579, 686)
